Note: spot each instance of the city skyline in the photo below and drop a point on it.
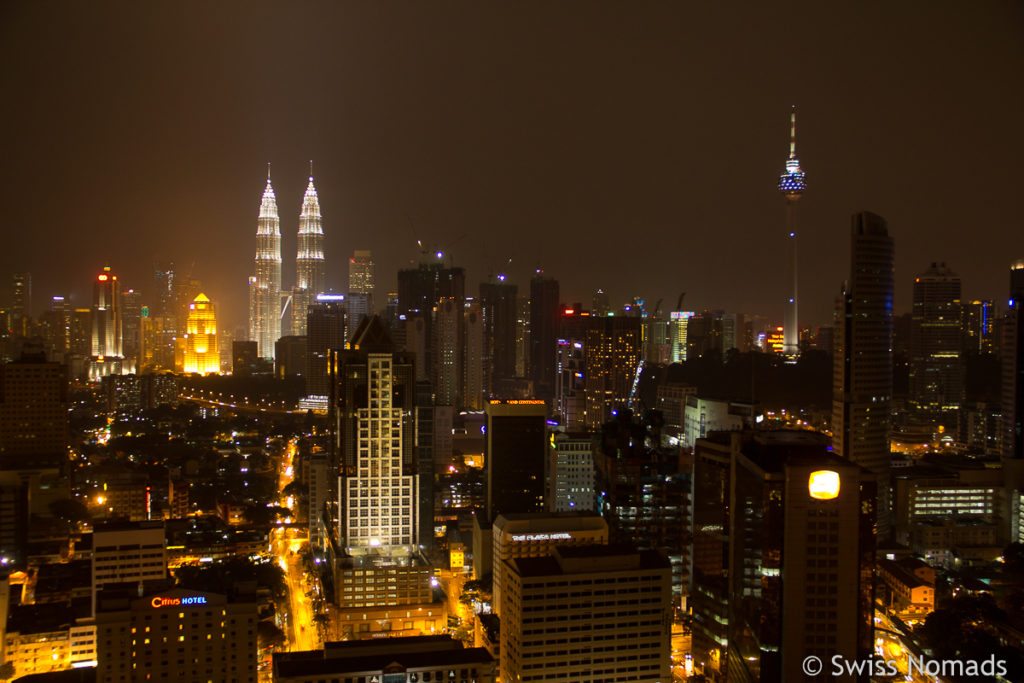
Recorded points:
(603, 150)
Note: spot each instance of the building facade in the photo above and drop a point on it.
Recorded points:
(310, 264)
(265, 285)
(862, 360)
(614, 601)
(936, 368)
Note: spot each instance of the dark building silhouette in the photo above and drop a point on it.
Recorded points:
(498, 302)
(544, 312)
(516, 456)
(325, 330)
(245, 358)
(1013, 383)
(936, 368)
(805, 515)
(979, 326)
(862, 361)
(644, 493)
(419, 291)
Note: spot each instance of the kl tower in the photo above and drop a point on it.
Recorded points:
(791, 185)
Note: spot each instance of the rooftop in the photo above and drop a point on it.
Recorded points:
(410, 653)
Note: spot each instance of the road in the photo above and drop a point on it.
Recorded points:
(288, 544)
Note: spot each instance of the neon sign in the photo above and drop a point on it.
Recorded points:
(176, 602)
(541, 537)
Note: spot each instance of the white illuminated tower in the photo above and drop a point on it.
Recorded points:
(265, 320)
(309, 260)
(792, 186)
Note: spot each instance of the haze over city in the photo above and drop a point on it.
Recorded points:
(631, 148)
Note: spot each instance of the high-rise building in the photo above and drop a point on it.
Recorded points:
(473, 391)
(202, 352)
(979, 326)
(448, 352)
(862, 360)
(420, 291)
(127, 552)
(544, 313)
(33, 411)
(107, 332)
(623, 632)
(21, 299)
(803, 515)
(523, 337)
(537, 534)
(498, 301)
(601, 305)
(644, 493)
(570, 384)
(325, 330)
(380, 573)
(1013, 383)
(309, 259)
(265, 286)
(571, 473)
(163, 289)
(186, 289)
(708, 589)
(131, 325)
(678, 334)
(357, 307)
(792, 184)
(360, 274)
(176, 634)
(612, 350)
(516, 457)
(290, 356)
(375, 392)
(936, 370)
(57, 326)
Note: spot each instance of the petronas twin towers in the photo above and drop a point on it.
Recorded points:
(273, 311)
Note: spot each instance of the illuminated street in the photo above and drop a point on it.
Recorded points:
(288, 543)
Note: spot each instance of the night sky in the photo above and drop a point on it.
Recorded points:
(630, 146)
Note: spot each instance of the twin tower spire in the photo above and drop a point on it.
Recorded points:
(274, 311)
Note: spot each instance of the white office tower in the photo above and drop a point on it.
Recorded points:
(309, 260)
(265, 320)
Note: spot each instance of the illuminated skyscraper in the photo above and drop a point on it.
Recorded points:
(360, 275)
(678, 334)
(202, 354)
(612, 352)
(792, 186)
(862, 359)
(374, 407)
(309, 261)
(107, 335)
(265, 289)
